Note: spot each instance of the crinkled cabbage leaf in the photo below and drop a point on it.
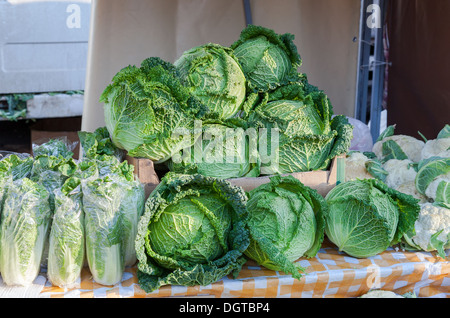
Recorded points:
(268, 59)
(228, 149)
(215, 77)
(365, 216)
(286, 222)
(192, 232)
(307, 136)
(148, 112)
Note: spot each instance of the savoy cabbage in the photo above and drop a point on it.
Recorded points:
(192, 232)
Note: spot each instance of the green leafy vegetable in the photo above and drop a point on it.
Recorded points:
(112, 204)
(98, 143)
(308, 136)
(192, 232)
(54, 147)
(227, 149)
(66, 241)
(52, 172)
(366, 217)
(268, 60)
(19, 167)
(445, 132)
(24, 227)
(286, 222)
(215, 77)
(148, 112)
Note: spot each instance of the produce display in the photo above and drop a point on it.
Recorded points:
(151, 111)
(419, 168)
(60, 214)
(194, 117)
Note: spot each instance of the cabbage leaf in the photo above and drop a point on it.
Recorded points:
(286, 222)
(365, 216)
(215, 78)
(192, 232)
(148, 112)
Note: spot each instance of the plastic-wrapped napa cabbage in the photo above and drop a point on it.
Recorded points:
(24, 228)
(112, 205)
(66, 242)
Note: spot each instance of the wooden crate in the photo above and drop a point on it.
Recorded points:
(322, 180)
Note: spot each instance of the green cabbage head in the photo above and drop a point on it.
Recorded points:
(148, 112)
(227, 149)
(366, 217)
(267, 58)
(215, 78)
(191, 233)
(286, 222)
(308, 136)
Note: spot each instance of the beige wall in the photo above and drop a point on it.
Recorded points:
(126, 32)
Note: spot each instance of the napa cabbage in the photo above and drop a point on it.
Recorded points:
(192, 232)
(365, 217)
(66, 240)
(112, 205)
(215, 77)
(24, 227)
(54, 147)
(286, 222)
(431, 230)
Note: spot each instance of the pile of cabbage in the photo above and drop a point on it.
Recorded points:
(420, 168)
(228, 112)
(198, 229)
(59, 214)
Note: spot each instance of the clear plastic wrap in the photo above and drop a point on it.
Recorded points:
(362, 138)
(54, 147)
(24, 230)
(66, 242)
(112, 206)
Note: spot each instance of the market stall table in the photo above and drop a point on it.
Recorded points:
(331, 274)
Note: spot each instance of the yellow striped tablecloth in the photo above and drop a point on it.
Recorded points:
(331, 274)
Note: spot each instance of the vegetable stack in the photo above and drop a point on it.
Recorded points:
(151, 111)
(60, 214)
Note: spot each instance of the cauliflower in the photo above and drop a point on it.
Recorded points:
(436, 148)
(411, 146)
(379, 293)
(432, 228)
(410, 188)
(355, 166)
(431, 190)
(399, 172)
